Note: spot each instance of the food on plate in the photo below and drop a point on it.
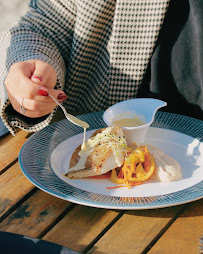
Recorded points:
(106, 154)
(138, 167)
(104, 150)
(167, 168)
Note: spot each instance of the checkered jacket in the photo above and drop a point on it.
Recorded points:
(100, 50)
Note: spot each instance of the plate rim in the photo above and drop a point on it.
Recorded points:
(135, 206)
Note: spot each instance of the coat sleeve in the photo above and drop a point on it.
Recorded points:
(43, 33)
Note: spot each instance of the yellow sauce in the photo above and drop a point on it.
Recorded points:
(83, 147)
(129, 122)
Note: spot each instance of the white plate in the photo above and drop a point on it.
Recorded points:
(46, 154)
(186, 150)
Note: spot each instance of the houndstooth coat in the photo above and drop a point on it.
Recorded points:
(100, 50)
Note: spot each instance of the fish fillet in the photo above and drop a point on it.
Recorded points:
(105, 150)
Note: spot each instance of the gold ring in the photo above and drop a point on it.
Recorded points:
(22, 108)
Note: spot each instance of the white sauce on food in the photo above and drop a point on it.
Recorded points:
(111, 141)
(83, 146)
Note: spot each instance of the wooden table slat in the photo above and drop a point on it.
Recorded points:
(80, 227)
(10, 147)
(135, 231)
(184, 234)
(35, 215)
(13, 187)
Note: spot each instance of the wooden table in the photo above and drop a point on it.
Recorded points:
(26, 210)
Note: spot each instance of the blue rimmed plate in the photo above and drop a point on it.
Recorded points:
(46, 154)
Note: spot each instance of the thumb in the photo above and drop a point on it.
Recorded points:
(43, 73)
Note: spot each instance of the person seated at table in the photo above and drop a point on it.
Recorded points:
(92, 54)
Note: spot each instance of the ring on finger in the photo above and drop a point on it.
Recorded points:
(22, 108)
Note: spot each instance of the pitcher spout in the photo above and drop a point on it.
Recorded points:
(153, 106)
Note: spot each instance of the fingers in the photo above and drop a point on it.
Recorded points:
(33, 108)
(33, 105)
(39, 108)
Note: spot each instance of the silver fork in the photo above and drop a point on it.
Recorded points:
(70, 117)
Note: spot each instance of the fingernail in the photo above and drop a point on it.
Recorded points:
(43, 93)
(62, 96)
(61, 101)
(37, 77)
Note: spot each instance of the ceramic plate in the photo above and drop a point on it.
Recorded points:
(46, 155)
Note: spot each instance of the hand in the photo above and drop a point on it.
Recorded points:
(30, 82)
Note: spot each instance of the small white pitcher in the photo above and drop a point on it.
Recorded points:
(144, 108)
